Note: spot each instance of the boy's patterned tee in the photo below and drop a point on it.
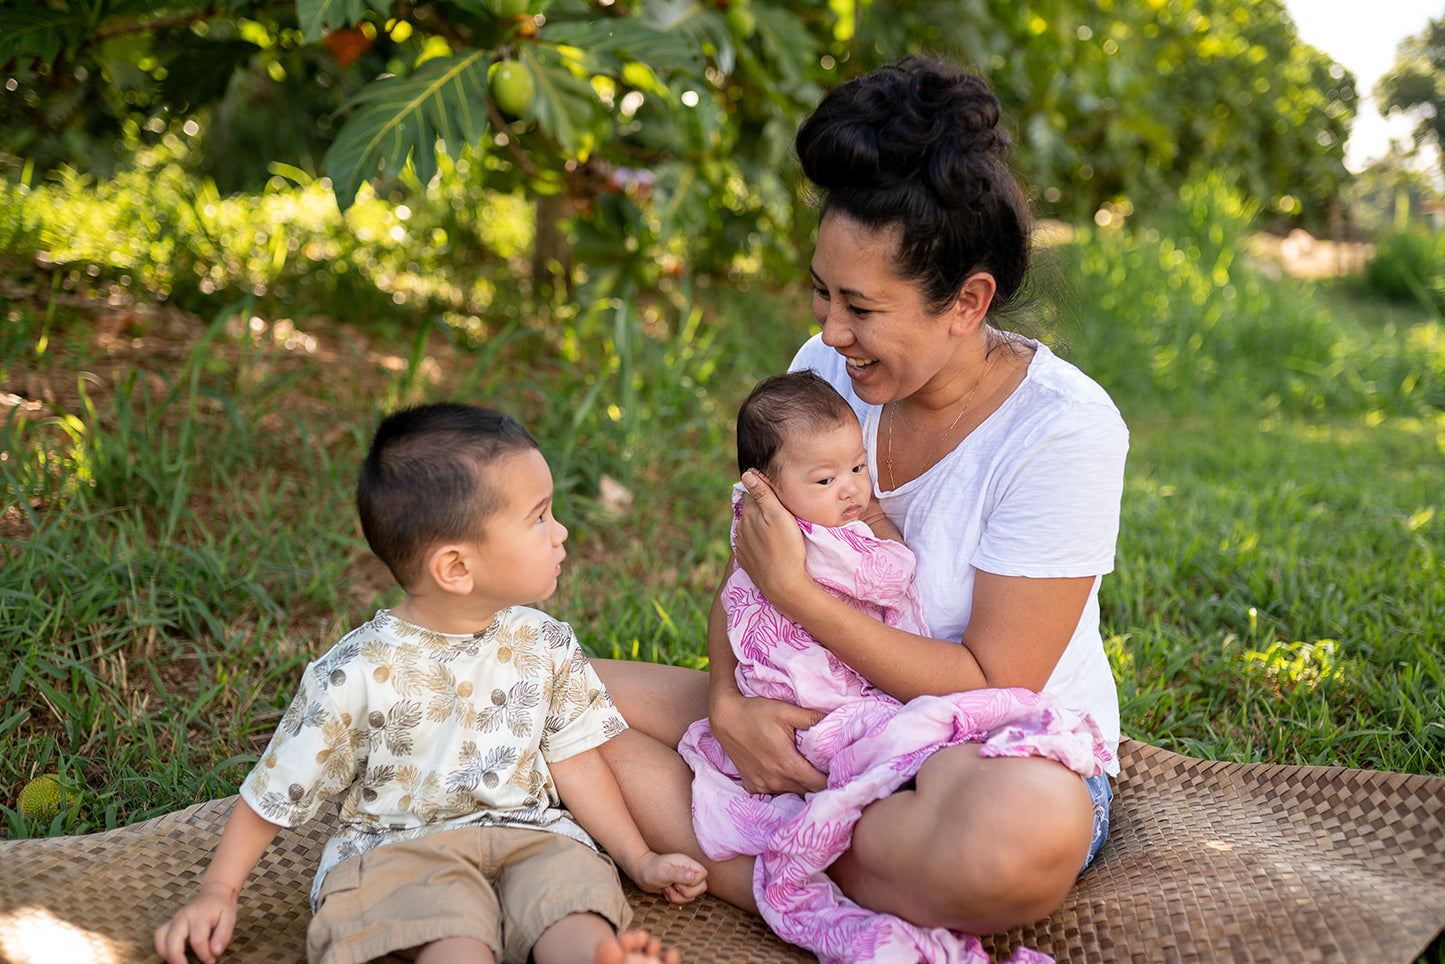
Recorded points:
(420, 732)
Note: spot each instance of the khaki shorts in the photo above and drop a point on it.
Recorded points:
(503, 886)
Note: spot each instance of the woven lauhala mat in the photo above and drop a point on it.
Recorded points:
(1206, 861)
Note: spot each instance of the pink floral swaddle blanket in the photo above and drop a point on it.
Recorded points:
(869, 744)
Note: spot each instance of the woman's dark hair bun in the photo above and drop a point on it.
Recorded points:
(918, 143)
(910, 118)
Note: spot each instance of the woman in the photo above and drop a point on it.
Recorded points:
(1003, 467)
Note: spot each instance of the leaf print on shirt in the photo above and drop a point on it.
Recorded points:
(394, 727)
(452, 700)
(418, 786)
(478, 768)
(302, 712)
(574, 685)
(395, 666)
(517, 645)
(288, 808)
(557, 635)
(427, 639)
(528, 776)
(324, 670)
(338, 757)
(513, 707)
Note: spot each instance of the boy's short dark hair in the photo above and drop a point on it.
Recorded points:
(424, 481)
(782, 404)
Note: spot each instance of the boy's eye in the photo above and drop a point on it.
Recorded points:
(860, 467)
(827, 481)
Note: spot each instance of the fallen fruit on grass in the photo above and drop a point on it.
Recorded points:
(42, 797)
(512, 87)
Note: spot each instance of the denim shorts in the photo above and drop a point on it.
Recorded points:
(1101, 793)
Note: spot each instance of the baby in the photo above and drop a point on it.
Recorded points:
(802, 436)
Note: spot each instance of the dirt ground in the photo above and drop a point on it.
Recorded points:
(1304, 256)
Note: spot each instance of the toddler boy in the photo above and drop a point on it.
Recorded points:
(461, 731)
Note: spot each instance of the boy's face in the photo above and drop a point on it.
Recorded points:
(521, 548)
(823, 476)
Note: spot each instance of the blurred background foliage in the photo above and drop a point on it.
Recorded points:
(368, 155)
(663, 127)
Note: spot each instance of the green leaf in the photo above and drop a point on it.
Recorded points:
(610, 42)
(696, 23)
(399, 117)
(35, 32)
(320, 17)
(565, 105)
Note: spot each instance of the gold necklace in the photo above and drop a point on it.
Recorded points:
(967, 400)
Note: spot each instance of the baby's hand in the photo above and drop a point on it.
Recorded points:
(205, 924)
(882, 526)
(677, 877)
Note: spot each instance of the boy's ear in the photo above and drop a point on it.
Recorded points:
(451, 566)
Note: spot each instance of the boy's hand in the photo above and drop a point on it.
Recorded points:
(205, 925)
(677, 877)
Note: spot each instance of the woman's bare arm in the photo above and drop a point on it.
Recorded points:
(758, 734)
(1017, 631)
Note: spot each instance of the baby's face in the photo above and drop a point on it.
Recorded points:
(823, 476)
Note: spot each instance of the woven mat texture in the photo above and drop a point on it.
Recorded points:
(1206, 861)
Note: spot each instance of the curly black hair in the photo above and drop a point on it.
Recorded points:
(917, 145)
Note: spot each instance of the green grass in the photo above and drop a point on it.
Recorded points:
(1279, 594)
(177, 536)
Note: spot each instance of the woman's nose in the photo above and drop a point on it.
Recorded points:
(836, 332)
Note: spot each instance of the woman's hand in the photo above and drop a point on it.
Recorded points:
(769, 546)
(760, 737)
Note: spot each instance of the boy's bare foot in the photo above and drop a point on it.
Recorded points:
(634, 947)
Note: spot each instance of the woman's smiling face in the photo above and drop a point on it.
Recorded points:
(878, 321)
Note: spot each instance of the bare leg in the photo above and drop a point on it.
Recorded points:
(660, 700)
(657, 788)
(456, 950)
(981, 845)
(659, 703)
(575, 939)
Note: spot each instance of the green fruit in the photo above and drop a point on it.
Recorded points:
(505, 10)
(43, 797)
(742, 22)
(512, 87)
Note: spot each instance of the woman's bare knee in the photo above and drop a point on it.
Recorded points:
(981, 845)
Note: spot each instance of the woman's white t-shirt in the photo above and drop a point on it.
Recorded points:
(1034, 491)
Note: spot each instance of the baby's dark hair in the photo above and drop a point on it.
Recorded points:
(425, 480)
(916, 145)
(781, 405)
